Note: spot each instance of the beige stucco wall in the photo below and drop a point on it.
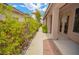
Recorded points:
(48, 23)
(54, 11)
(55, 20)
(73, 35)
(20, 17)
(70, 10)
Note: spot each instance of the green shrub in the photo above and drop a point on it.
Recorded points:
(33, 27)
(13, 33)
(44, 28)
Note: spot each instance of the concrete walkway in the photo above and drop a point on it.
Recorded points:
(67, 46)
(42, 45)
(36, 46)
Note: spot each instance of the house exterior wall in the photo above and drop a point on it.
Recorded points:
(54, 12)
(14, 13)
(70, 10)
(48, 22)
(20, 17)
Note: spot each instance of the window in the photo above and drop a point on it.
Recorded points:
(2, 17)
(51, 24)
(76, 22)
(20, 19)
(60, 21)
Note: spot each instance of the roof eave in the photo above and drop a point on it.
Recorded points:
(47, 10)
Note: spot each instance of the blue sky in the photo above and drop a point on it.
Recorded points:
(30, 7)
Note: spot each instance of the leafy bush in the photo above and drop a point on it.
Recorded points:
(14, 34)
(11, 32)
(33, 26)
(44, 28)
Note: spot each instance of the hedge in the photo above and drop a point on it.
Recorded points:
(14, 35)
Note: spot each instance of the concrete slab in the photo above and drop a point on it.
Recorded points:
(67, 46)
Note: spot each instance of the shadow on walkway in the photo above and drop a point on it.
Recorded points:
(49, 48)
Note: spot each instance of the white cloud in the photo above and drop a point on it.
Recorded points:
(44, 9)
(33, 7)
(45, 3)
(19, 5)
(30, 6)
(22, 5)
(14, 5)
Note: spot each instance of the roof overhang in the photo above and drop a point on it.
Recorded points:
(47, 10)
(58, 5)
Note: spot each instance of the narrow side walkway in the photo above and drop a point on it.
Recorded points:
(36, 46)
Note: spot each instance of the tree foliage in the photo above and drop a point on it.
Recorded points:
(37, 15)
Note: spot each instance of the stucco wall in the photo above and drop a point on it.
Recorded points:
(48, 23)
(54, 12)
(70, 10)
(67, 10)
(55, 20)
(73, 35)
